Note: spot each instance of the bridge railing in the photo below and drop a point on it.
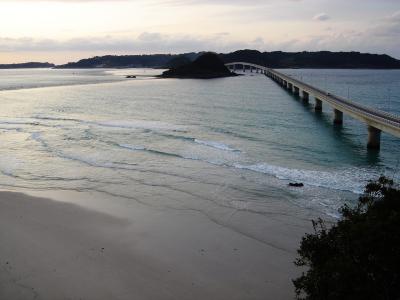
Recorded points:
(247, 64)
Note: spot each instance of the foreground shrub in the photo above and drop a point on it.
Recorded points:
(359, 257)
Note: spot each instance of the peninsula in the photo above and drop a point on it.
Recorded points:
(28, 65)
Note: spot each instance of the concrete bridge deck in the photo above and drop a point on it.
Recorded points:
(376, 120)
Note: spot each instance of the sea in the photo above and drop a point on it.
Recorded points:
(193, 144)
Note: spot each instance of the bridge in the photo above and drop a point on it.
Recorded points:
(375, 119)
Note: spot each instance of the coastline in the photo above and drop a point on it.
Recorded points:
(58, 250)
(184, 209)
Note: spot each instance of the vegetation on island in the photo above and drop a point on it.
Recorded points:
(359, 257)
(276, 59)
(28, 65)
(178, 61)
(315, 60)
(207, 66)
(120, 61)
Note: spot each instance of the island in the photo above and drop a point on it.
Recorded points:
(28, 65)
(207, 66)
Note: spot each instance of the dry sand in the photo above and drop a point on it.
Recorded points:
(55, 250)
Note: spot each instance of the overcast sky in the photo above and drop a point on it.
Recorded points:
(65, 30)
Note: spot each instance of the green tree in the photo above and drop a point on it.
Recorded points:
(359, 257)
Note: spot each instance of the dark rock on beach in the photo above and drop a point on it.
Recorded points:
(296, 184)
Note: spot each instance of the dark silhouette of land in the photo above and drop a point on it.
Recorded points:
(28, 65)
(315, 60)
(206, 66)
(121, 61)
(277, 59)
(178, 61)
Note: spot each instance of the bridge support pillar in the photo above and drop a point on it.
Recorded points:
(251, 69)
(338, 119)
(318, 105)
(296, 90)
(290, 87)
(374, 138)
(305, 96)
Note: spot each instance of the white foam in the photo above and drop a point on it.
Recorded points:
(216, 145)
(8, 165)
(132, 147)
(123, 124)
(351, 179)
(36, 136)
(138, 124)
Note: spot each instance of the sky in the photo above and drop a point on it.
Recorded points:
(60, 31)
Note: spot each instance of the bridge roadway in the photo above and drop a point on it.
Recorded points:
(376, 120)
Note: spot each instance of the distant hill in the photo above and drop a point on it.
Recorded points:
(277, 59)
(320, 60)
(122, 61)
(208, 65)
(28, 65)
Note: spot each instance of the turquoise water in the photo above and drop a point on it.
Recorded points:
(234, 142)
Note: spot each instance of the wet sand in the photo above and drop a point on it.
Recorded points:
(57, 250)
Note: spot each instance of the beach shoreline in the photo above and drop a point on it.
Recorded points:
(57, 250)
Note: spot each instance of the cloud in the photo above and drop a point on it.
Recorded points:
(146, 42)
(321, 17)
(382, 36)
(395, 17)
(387, 27)
(155, 42)
(223, 2)
(170, 2)
(64, 1)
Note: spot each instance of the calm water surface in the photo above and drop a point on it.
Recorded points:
(234, 142)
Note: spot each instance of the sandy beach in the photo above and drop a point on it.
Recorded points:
(56, 250)
(182, 149)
